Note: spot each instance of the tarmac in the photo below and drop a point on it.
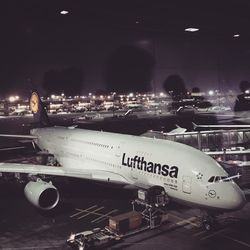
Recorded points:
(86, 205)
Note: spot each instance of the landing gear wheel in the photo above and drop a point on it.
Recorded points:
(207, 226)
(208, 223)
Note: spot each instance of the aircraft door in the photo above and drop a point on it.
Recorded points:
(186, 184)
(134, 173)
(119, 149)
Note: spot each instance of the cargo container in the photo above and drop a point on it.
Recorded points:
(125, 222)
(155, 195)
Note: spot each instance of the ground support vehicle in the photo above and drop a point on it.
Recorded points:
(149, 212)
(93, 239)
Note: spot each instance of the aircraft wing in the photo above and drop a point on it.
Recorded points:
(11, 148)
(33, 169)
(19, 136)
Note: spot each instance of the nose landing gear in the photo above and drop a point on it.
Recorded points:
(208, 221)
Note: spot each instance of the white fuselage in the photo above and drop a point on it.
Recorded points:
(182, 170)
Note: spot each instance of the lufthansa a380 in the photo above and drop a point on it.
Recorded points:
(188, 175)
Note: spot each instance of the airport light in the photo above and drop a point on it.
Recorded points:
(161, 94)
(53, 96)
(192, 29)
(64, 12)
(131, 95)
(211, 92)
(62, 94)
(247, 91)
(12, 98)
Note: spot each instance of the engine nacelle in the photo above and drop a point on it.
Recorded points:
(41, 194)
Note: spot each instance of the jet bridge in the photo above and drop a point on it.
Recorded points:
(212, 140)
(229, 146)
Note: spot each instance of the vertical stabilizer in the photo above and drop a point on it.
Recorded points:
(37, 107)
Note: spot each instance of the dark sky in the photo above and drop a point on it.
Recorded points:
(130, 43)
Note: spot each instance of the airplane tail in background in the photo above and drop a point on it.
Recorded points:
(37, 107)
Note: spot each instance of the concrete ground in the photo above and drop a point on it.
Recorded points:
(85, 205)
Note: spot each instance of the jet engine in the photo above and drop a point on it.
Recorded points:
(41, 194)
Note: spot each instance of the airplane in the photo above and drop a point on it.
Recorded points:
(188, 175)
(20, 112)
(177, 130)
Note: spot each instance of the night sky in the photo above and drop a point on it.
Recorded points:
(122, 45)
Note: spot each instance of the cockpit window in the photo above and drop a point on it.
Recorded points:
(211, 179)
(219, 178)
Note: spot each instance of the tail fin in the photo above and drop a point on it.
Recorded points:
(195, 125)
(37, 107)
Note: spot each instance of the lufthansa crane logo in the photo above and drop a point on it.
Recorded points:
(34, 102)
(212, 193)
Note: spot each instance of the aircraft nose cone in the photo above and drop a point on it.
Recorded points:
(238, 198)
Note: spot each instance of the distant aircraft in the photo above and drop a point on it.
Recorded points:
(20, 112)
(188, 175)
(177, 130)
